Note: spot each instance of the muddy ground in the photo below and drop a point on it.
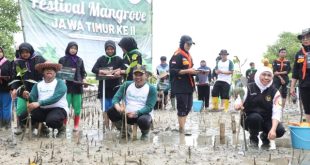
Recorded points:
(199, 145)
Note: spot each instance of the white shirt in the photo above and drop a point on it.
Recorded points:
(223, 66)
(46, 90)
(136, 97)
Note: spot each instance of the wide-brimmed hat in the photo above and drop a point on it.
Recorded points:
(303, 33)
(139, 68)
(40, 67)
(223, 52)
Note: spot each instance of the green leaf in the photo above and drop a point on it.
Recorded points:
(128, 70)
(20, 71)
(134, 57)
(133, 64)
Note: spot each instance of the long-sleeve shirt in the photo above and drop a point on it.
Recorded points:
(5, 71)
(143, 99)
(80, 74)
(110, 84)
(50, 95)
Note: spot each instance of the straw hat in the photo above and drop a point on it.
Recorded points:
(40, 67)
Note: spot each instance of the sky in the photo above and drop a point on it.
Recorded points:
(244, 27)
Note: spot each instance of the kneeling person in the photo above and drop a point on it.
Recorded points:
(263, 109)
(139, 98)
(48, 98)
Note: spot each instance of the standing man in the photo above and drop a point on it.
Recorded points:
(249, 74)
(203, 79)
(224, 70)
(131, 56)
(301, 72)
(281, 69)
(163, 84)
(182, 80)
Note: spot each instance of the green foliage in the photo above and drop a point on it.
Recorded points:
(20, 71)
(286, 40)
(8, 26)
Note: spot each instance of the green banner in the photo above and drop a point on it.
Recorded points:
(50, 24)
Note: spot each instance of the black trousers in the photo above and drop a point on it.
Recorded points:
(281, 87)
(143, 121)
(255, 123)
(184, 103)
(53, 117)
(204, 94)
(305, 98)
(221, 88)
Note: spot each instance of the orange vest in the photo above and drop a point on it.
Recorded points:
(189, 59)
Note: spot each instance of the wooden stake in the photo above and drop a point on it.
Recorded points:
(222, 133)
(233, 124)
(134, 132)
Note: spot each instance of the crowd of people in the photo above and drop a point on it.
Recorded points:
(125, 93)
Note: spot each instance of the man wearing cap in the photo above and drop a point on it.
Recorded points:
(182, 80)
(27, 59)
(47, 99)
(224, 70)
(301, 72)
(131, 55)
(281, 69)
(110, 60)
(137, 100)
(163, 84)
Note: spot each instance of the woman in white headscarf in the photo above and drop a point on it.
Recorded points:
(262, 107)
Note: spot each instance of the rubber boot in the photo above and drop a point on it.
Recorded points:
(215, 103)
(145, 134)
(226, 105)
(61, 131)
(76, 123)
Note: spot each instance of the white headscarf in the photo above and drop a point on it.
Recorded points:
(257, 80)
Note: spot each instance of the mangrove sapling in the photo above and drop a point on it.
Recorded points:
(21, 73)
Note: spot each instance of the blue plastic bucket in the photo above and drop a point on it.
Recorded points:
(197, 105)
(300, 137)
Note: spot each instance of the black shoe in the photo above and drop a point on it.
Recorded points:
(265, 140)
(253, 141)
(44, 130)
